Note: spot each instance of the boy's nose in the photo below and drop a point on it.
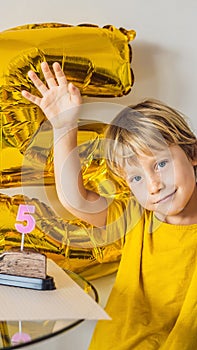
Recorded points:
(154, 184)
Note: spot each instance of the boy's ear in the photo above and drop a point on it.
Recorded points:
(194, 162)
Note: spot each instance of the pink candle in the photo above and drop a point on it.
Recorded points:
(27, 220)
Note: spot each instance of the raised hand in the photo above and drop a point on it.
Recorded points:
(60, 101)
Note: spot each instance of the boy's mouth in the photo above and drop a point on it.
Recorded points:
(165, 198)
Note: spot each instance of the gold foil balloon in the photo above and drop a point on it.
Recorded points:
(98, 61)
(72, 244)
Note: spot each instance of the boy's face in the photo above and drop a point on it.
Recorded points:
(164, 183)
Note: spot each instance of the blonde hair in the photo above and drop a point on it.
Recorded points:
(143, 127)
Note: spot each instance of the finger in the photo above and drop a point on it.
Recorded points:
(59, 74)
(74, 93)
(48, 75)
(37, 82)
(31, 98)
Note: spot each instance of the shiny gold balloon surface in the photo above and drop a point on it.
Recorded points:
(98, 61)
(72, 244)
(69, 242)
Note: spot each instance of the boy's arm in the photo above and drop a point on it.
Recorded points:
(81, 202)
(61, 104)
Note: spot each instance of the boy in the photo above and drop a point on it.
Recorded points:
(153, 303)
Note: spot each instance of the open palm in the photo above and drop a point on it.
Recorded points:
(60, 101)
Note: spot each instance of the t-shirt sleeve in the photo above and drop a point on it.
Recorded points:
(122, 216)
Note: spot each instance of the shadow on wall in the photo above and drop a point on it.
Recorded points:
(156, 73)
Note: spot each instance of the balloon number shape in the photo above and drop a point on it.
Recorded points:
(28, 222)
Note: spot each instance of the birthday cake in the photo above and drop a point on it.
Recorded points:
(25, 268)
(23, 263)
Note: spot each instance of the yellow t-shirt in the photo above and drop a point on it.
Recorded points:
(153, 304)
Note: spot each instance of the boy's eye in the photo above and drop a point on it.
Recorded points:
(162, 164)
(136, 178)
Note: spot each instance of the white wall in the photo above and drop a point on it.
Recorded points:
(164, 51)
